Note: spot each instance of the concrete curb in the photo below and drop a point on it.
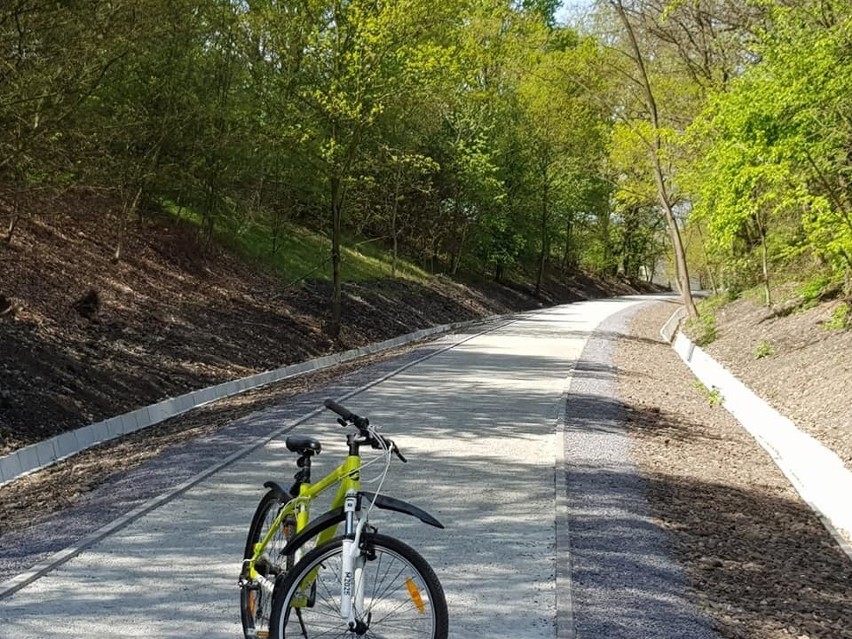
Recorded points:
(35, 457)
(52, 562)
(670, 327)
(816, 472)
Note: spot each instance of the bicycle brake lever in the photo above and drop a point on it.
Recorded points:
(342, 422)
(399, 454)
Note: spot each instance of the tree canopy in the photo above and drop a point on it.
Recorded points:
(476, 135)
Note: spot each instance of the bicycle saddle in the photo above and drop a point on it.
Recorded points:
(303, 445)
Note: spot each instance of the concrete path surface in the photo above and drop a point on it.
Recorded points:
(478, 423)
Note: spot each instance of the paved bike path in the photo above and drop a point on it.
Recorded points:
(478, 423)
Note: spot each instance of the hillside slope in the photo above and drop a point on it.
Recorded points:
(175, 316)
(796, 359)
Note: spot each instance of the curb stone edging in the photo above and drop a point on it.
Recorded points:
(40, 455)
(816, 472)
(55, 560)
(670, 327)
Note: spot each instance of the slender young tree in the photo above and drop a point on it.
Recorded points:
(655, 155)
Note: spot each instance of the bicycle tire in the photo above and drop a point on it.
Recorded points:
(418, 598)
(254, 605)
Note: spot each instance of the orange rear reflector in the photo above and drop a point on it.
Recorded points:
(415, 595)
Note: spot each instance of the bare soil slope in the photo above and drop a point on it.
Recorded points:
(807, 373)
(760, 563)
(83, 338)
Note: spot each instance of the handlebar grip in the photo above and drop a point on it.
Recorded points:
(345, 413)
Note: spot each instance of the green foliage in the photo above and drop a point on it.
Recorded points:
(841, 318)
(812, 292)
(711, 305)
(770, 168)
(471, 135)
(296, 252)
(712, 395)
(764, 349)
(702, 329)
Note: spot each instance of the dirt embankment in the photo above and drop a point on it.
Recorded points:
(83, 338)
(760, 563)
(796, 361)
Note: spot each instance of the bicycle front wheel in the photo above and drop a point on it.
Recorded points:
(255, 604)
(399, 595)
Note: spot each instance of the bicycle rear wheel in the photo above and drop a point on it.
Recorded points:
(255, 603)
(402, 597)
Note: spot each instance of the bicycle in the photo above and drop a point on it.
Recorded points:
(350, 585)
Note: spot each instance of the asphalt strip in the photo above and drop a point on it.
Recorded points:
(615, 575)
(58, 558)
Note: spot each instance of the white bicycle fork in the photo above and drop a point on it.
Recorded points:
(351, 578)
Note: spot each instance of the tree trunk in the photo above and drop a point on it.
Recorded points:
(393, 226)
(681, 269)
(336, 205)
(458, 256)
(707, 261)
(566, 254)
(659, 177)
(16, 214)
(127, 210)
(764, 260)
(10, 230)
(544, 243)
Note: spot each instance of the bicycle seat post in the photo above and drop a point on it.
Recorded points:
(303, 476)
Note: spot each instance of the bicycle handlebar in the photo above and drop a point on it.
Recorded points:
(361, 424)
(344, 412)
(348, 416)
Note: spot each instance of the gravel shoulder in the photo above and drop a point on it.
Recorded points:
(759, 562)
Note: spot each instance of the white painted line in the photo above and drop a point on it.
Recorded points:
(565, 626)
(73, 442)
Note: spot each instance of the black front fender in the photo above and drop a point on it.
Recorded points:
(397, 505)
(337, 516)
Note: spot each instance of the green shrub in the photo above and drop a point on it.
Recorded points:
(712, 304)
(702, 329)
(813, 292)
(732, 294)
(764, 349)
(713, 395)
(841, 318)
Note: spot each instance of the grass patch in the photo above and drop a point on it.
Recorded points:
(299, 252)
(702, 329)
(812, 292)
(764, 349)
(712, 395)
(841, 318)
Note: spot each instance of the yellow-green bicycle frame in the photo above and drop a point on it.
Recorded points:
(348, 475)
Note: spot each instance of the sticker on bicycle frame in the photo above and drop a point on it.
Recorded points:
(414, 593)
(350, 504)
